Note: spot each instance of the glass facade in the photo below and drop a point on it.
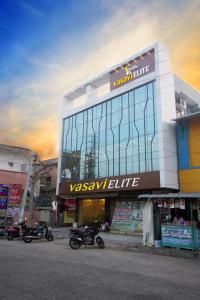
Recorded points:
(116, 137)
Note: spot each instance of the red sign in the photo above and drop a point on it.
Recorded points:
(70, 204)
(15, 194)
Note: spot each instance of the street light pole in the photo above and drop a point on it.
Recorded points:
(33, 178)
(23, 203)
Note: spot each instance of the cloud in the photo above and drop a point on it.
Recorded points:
(33, 101)
(31, 9)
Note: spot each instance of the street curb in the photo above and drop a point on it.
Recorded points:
(173, 252)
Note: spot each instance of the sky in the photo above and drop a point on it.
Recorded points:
(48, 47)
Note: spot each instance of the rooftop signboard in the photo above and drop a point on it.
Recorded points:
(134, 69)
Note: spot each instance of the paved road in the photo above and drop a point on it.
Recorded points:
(43, 270)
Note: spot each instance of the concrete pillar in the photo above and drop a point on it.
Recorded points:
(148, 226)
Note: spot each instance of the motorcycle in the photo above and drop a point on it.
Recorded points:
(2, 231)
(86, 236)
(14, 231)
(37, 233)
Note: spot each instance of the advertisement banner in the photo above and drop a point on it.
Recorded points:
(3, 196)
(15, 194)
(178, 236)
(127, 217)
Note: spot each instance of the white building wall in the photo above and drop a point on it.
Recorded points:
(166, 112)
(14, 162)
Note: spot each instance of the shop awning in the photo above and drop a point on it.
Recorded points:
(170, 195)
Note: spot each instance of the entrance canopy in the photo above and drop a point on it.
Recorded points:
(171, 195)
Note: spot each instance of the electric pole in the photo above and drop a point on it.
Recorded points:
(33, 179)
(23, 203)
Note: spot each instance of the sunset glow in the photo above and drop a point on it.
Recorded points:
(48, 49)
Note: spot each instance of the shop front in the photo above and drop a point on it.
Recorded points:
(176, 219)
(10, 199)
(113, 200)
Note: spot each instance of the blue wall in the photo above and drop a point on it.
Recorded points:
(183, 145)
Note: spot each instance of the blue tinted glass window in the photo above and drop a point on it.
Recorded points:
(116, 137)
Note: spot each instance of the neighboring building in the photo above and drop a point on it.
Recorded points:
(14, 160)
(118, 141)
(45, 190)
(15, 163)
(177, 215)
(188, 141)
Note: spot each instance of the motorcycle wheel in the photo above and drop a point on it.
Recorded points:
(100, 242)
(49, 236)
(73, 243)
(10, 236)
(27, 239)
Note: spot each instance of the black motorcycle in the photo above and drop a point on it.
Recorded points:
(86, 236)
(39, 232)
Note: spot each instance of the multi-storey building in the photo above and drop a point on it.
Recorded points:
(118, 141)
(188, 141)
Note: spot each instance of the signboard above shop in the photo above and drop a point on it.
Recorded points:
(3, 196)
(134, 69)
(112, 184)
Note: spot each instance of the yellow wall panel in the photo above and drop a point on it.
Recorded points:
(195, 126)
(195, 160)
(189, 180)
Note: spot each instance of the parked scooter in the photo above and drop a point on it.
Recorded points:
(86, 236)
(14, 231)
(39, 232)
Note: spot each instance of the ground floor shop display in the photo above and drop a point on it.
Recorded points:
(131, 216)
(122, 216)
(91, 210)
(179, 222)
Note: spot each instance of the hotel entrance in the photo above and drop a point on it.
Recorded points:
(91, 210)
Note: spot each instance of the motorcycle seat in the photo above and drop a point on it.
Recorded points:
(81, 230)
(13, 227)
